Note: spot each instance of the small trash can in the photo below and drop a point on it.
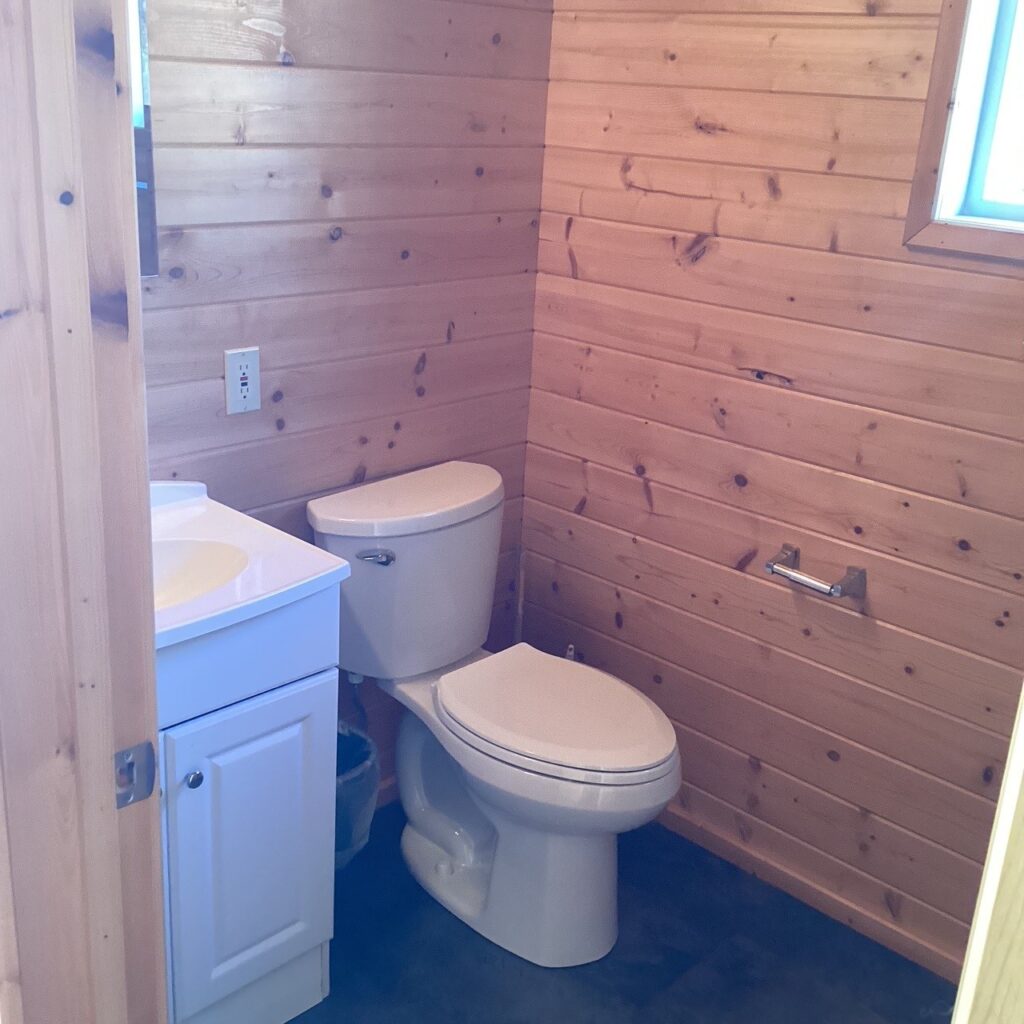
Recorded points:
(356, 800)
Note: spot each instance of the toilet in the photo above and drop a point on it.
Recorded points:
(516, 770)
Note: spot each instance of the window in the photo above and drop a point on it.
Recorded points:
(968, 192)
(142, 124)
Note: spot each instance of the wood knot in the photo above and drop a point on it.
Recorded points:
(99, 42)
(745, 559)
(894, 903)
(697, 249)
(708, 127)
(110, 308)
(574, 266)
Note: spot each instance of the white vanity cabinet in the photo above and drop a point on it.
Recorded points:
(247, 707)
(250, 839)
(248, 720)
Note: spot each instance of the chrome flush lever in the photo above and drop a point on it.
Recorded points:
(787, 565)
(380, 556)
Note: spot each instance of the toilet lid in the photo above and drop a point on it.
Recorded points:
(557, 711)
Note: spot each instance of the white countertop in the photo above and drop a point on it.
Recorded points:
(215, 566)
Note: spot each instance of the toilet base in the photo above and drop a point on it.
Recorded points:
(549, 898)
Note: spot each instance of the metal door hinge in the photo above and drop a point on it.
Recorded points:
(134, 773)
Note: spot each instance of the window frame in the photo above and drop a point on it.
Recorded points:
(923, 231)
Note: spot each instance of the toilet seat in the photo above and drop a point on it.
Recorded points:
(556, 717)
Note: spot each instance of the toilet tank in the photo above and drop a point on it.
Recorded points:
(423, 548)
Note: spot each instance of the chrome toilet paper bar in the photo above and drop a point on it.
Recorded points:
(787, 565)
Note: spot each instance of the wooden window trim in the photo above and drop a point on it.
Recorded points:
(923, 231)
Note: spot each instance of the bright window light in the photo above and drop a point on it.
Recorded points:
(140, 77)
(981, 181)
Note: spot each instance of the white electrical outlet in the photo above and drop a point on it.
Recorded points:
(242, 379)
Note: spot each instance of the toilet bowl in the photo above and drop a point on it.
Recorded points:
(524, 849)
(516, 770)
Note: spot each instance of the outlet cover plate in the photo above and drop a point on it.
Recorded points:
(242, 379)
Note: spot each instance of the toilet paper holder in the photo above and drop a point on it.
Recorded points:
(787, 565)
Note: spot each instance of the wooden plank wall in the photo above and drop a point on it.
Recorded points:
(734, 351)
(355, 188)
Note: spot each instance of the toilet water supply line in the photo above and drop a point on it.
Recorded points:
(355, 680)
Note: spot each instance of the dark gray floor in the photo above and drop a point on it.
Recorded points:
(700, 942)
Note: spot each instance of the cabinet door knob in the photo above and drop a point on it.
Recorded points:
(194, 780)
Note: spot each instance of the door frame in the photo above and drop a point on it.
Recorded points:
(81, 924)
(992, 983)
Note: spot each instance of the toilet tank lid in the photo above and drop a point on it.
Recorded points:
(416, 502)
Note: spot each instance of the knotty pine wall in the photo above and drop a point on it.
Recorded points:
(354, 187)
(733, 350)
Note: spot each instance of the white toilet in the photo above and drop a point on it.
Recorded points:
(516, 770)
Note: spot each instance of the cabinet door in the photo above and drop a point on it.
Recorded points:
(251, 846)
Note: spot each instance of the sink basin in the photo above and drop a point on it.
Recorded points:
(214, 567)
(186, 569)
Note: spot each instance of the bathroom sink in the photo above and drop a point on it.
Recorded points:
(184, 570)
(214, 567)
